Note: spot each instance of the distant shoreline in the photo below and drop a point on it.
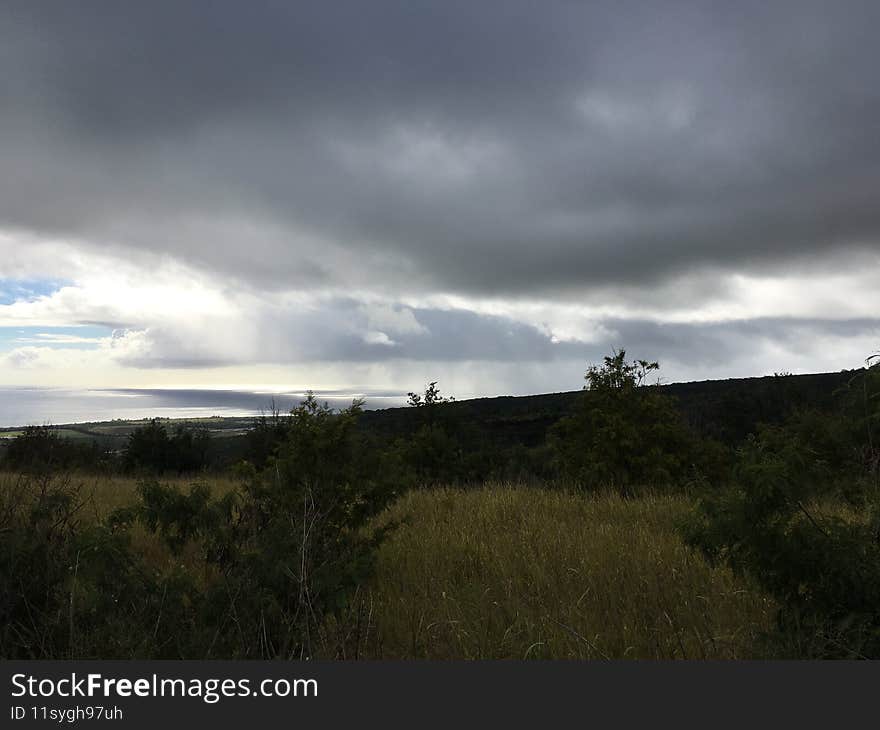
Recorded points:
(48, 406)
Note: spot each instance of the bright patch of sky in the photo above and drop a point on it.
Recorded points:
(74, 338)
(26, 290)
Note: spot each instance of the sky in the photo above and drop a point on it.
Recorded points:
(350, 195)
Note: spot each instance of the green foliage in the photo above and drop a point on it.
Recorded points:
(861, 411)
(272, 565)
(431, 397)
(778, 523)
(289, 547)
(68, 588)
(40, 449)
(626, 433)
(152, 449)
(255, 572)
(265, 436)
(433, 452)
(179, 517)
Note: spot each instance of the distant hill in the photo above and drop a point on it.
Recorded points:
(727, 410)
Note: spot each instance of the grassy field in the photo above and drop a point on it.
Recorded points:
(513, 572)
(506, 572)
(68, 433)
(101, 493)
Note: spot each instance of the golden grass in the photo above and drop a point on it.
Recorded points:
(100, 494)
(103, 493)
(514, 572)
(507, 572)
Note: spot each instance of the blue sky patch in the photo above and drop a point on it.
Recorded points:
(71, 338)
(14, 290)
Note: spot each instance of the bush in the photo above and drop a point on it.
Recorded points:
(781, 522)
(266, 435)
(151, 449)
(626, 434)
(256, 572)
(68, 589)
(288, 548)
(433, 452)
(40, 449)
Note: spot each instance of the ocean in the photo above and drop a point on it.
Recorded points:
(22, 406)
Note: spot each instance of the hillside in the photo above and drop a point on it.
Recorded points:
(726, 410)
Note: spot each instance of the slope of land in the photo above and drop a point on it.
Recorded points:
(726, 410)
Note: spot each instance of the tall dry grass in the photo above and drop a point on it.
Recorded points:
(507, 572)
(102, 493)
(99, 494)
(513, 572)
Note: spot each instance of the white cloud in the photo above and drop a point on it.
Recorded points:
(374, 337)
(174, 322)
(393, 318)
(49, 338)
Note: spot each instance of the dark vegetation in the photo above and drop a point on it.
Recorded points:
(628, 436)
(785, 471)
(801, 514)
(152, 449)
(277, 556)
(41, 449)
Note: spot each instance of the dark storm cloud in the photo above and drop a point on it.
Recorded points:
(478, 147)
(713, 344)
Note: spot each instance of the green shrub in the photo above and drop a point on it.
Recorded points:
(782, 523)
(285, 550)
(265, 437)
(434, 451)
(152, 449)
(254, 572)
(626, 433)
(40, 449)
(68, 588)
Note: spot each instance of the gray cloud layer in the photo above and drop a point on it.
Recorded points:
(336, 334)
(620, 161)
(504, 148)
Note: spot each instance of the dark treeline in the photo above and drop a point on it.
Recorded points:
(785, 470)
(41, 448)
(496, 438)
(158, 447)
(724, 410)
(512, 438)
